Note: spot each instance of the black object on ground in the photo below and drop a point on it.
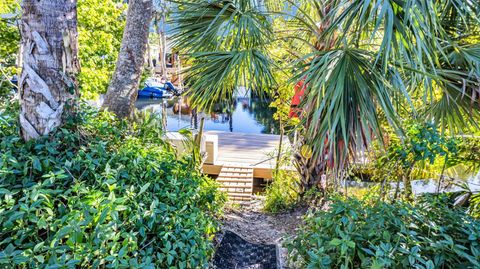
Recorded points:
(235, 252)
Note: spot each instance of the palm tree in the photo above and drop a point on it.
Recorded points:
(47, 85)
(159, 22)
(360, 61)
(122, 91)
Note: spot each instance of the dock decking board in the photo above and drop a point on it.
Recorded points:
(252, 150)
(241, 157)
(238, 158)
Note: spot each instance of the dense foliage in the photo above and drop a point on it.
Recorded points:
(100, 29)
(9, 45)
(468, 154)
(363, 65)
(421, 145)
(283, 192)
(373, 234)
(103, 193)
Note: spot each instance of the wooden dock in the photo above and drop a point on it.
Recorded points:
(241, 158)
(237, 159)
(256, 151)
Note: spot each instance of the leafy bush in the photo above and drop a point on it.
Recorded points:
(283, 193)
(468, 154)
(9, 45)
(373, 234)
(422, 152)
(100, 30)
(102, 193)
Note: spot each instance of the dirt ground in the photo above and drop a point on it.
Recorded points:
(250, 222)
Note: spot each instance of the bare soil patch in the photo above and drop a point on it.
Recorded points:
(254, 225)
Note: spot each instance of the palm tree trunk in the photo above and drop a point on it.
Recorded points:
(313, 170)
(162, 43)
(47, 85)
(122, 91)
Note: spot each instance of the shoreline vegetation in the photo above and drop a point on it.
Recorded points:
(377, 93)
(102, 192)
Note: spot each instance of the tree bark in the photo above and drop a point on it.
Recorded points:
(122, 91)
(47, 85)
(162, 40)
(313, 171)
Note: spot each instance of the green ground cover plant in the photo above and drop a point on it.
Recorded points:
(355, 233)
(101, 193)
(283, 193)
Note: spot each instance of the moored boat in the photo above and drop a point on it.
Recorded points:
(155, 88)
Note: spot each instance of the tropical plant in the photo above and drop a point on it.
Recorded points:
(48, 85)
(9, 47)
(422, 145)
(468, 154)
(102, 193)
(354, 233)
(359, 61)
(283, 192)
(227, 41)
(100, 29)
(122, 91)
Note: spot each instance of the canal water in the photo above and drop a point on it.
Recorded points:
(243, 115)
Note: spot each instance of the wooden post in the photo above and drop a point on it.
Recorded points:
(164, 116)
(277, 164)
(198, 140)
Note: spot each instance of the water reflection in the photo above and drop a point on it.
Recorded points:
(242, 114)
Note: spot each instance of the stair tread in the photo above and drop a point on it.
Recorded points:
(241, 194)
(243, 180)
(236, 182)
(231, 175)
(249, 171)
(228, 188)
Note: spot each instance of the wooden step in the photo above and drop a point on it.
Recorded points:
(233, 198)
(243, 180)
(225, 175)
(240, 195)
(237, 182)
(233, 192)
(239, 171)
(236, 185)
(230, 165)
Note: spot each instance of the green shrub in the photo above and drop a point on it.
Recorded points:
(102, 193)
(100, 30)
(468, 155)
(359, 234)
(282, 193)
(421, 146)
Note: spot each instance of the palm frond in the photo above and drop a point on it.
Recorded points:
(226, 42)
(344, 89)
(215, 76)
(220, 25)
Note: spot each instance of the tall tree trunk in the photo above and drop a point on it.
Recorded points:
(313, 169)
(47, 85)
(122, 91)
(162, 41)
